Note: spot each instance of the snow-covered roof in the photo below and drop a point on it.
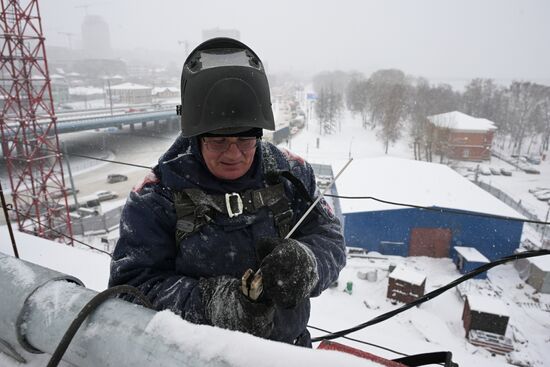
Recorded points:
(164, 89)
(91, 267)
(412, 182)
(471, 254)
(408, 275)
(130, 86)
(542, 262)
(487, 304)
(85, 91)
(460, 121)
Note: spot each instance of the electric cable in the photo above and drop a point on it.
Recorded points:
(440, 210)
(360, 341)
(432, 294)
(94, 303)
(58, 232)
(109, 161)
(102, 159)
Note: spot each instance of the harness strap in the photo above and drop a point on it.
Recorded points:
(194, 207)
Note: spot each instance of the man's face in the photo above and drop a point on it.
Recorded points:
(228, 158)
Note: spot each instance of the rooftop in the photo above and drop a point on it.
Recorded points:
(471, 254)
(413, 182)
(408, 275)
(460, 121)
(487, 304)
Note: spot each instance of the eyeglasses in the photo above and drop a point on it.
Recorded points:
(219, 145)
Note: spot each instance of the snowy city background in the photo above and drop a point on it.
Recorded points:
(434, 115)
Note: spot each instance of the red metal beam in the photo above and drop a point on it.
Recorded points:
(28, 124)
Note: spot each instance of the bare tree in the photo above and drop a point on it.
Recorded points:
(525, 97)
(328, 107)
(393, 114)
(545, 116)
(356, 97)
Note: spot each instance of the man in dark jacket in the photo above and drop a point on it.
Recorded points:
(221, 201)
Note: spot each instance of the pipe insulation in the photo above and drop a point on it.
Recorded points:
(38, 305)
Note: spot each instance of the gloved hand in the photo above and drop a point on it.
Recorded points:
(227, 307)
(289, 270)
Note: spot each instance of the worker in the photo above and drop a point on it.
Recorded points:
(221, 201)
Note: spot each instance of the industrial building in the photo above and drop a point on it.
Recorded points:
(459, 213)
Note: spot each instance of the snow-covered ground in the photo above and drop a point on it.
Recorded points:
(435, 325)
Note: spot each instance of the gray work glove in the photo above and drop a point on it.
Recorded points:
(289, 270)
(227, 307)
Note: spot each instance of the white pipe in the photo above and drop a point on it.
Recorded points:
(120, 334)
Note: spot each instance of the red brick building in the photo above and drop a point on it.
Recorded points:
(462, 137)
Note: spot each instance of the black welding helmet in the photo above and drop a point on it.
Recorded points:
(224, 87)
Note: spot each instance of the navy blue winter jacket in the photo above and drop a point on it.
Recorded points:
(148, 257)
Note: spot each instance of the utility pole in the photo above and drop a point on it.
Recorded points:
(73, 188)
(110, 96)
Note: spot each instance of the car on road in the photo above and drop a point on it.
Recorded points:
(527, 168)
(545, 196)
(116, 177)
(58, 194)
(533, 159)
(495, 171)
(484, 170)
(104, 195)
(538, 189)
(505, 172)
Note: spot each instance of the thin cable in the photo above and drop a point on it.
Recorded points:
(360, 341)
(8, 222)
(432, 294)
(312, 206)
(441, 210)
(102, 159)
(60, 233)
(109, 160)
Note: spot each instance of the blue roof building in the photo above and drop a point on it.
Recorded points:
(459, 212)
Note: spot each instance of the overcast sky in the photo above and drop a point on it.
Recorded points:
(501, 39)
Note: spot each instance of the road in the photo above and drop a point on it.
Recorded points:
(141, 147)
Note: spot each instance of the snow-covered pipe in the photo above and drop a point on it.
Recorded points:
(38, 305)
(19, 280)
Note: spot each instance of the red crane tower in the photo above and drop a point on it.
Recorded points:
(28, 124)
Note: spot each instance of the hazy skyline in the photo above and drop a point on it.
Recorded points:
(501, 39)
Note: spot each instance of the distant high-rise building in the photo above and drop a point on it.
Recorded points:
(217, 32)
(96, 39)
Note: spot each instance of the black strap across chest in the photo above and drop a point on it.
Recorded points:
(195, 208)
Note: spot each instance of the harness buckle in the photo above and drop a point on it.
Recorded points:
(230, 211)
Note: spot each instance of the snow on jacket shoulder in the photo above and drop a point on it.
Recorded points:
(149, 257)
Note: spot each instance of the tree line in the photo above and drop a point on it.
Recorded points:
(394, 102)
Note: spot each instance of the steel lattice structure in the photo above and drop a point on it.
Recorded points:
(28, 124)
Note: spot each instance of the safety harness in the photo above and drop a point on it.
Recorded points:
(195, 208)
